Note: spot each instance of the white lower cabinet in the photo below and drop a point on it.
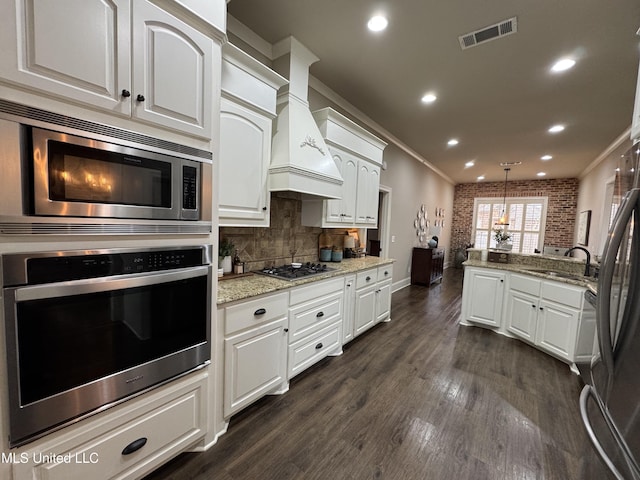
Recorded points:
(544, 313)
(125, 442)
(315, 323)
(349, 308)
(483, 294)
(372, 298)
(255, 350)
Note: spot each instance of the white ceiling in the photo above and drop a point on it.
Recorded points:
(498, 98)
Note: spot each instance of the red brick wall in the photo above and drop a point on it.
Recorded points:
(562, 203)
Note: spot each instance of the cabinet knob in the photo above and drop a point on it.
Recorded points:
(264, 209)
(541, 308)
(501, 280)
(126, 93)
(368, 278)
(386, 273)
(260, 311)
(320, 314)
(319, 346)
(533, 305)
(286, 330)
(134, 446)
(140, 97)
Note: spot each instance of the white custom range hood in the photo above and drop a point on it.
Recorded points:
(300, 160)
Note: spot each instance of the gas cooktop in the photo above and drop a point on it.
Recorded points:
(287, 272)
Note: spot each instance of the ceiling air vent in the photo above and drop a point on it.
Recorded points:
(500, 29)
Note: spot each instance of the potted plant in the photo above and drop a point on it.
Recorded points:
(502, 238)
(225, 249)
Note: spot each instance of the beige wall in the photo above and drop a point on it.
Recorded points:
(413, 184)
(591, 193)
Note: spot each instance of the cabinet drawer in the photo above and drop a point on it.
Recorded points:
(308, 351)
(385, 272)
(307, 318)
(525, 283)
(315, 290)
(255, 312)
(368, 277)
(562, 294)
(168, 429)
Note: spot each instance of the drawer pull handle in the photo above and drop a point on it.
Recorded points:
(134, 446)
(368, 278)
(260, 311)
(320, 314)
(319, 346)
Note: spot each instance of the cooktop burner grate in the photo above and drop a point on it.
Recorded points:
(287, 272)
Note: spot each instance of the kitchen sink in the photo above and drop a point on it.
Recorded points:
(556, 273)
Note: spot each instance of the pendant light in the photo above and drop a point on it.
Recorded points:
(503, 221)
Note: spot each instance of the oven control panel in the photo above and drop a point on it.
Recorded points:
(65, 266)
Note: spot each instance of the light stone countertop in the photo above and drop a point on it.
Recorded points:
(241, 288)
(538, 271)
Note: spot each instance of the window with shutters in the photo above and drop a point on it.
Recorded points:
(526, 218)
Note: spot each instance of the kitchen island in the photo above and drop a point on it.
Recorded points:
(538, 299)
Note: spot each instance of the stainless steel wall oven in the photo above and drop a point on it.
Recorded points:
(88, 329)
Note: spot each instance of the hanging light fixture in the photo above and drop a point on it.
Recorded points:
(503, 220)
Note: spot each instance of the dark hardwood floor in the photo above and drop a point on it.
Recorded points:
(417, 398)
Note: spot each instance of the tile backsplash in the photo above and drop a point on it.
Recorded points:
(285, 239)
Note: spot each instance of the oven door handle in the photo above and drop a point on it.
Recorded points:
(106, 284)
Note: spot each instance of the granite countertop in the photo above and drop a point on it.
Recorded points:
(538, 271)
(253, 285)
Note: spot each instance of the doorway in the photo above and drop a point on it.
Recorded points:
(378, 238)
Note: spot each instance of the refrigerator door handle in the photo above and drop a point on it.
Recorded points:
(605, 281)
(584, 397)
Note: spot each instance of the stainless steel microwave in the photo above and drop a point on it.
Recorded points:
(63, 175)
(80, 177)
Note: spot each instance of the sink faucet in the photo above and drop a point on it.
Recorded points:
(588, 265)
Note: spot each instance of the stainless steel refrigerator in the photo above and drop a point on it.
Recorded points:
(610, 402)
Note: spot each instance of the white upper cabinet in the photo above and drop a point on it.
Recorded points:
(358, 155)
(131, 58)
(247, 110)
(172, 72)
(367, 193)
(77, 49)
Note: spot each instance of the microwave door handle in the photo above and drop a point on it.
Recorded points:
(106, 284)
(605, 280)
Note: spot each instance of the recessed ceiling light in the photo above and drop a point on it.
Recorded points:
(546, 157)
(563, 64)
(470, 163)
(377, 23)
(429, 98)
(453, 142)
(541, 174)
(481, 177)
(556, 129)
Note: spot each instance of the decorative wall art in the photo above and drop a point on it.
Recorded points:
(421, 224)
(584, 222)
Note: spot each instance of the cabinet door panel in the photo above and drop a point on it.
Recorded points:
(172, 70)
(365, 310)
(367, 193)
(255, 364)
(484, 297)
(350, 177)
(557, 326)
(521, 314)
(383, 301)
(245, 141)
(79, 51)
